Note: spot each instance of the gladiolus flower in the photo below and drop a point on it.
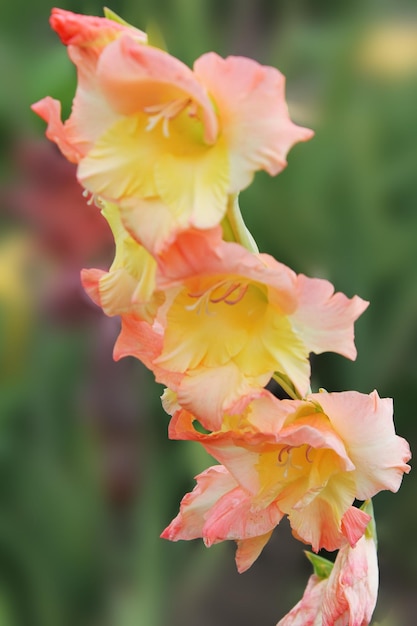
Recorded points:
(164, 135)
(308, 460)
(231, 319)
(347, 597)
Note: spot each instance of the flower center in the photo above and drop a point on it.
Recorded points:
(166, 112)
(286, 460)
(229, 292)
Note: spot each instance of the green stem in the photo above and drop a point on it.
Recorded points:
(235, 229)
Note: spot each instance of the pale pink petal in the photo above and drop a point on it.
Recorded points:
(241, 462)
(266, 413)
(212, 484)
(142, 340)
(308, 610)
(347, 597)
(134, 76)
(324, 319)
(184, 256)
(351, 590)
(354, 523)
(217, 510)
(181, 426)
(248, 551)
(233, 517)
(365, 424)
(253, 114)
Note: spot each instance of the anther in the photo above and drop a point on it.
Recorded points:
(93, 199)
(308, 451)
(285, 449)
(207, 298)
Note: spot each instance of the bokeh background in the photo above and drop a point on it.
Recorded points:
(88, 479)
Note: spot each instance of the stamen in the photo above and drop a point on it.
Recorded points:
(228, 292)
(240, 295)
(286, 449)
(93, 199)
(202, 299)
(165, 112)
(206, 297)
(288, 463)
(309, 459)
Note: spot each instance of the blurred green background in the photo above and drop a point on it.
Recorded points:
(88, 479)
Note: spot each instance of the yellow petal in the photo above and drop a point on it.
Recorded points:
(121, 162)
(195, 183)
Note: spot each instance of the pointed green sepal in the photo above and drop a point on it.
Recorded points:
(155, 36)
(286, 384)
(370, 531)
(322, 567)
(111, 15)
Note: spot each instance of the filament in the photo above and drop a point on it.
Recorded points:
(233, 293)
(165, 112)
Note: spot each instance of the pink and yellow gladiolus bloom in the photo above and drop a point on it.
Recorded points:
(161, 139)
(308, 460)
(231, 319)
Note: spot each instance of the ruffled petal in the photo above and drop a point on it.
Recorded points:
(365, 424)
(232, 517)
(49, 110)
(142, 340)
(212, 484)
(90, 280)
(324, 319)
(351, 589)
(253, 115)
